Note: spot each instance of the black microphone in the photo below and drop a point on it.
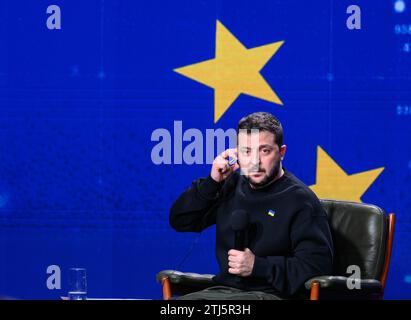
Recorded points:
(239, 222)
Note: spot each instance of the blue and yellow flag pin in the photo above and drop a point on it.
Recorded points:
(271, 213)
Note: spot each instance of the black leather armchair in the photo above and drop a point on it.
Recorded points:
(363, 236)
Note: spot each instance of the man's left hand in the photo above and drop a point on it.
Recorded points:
(240, 262)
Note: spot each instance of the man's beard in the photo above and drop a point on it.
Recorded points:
(267, 178)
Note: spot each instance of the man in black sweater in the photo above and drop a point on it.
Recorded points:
(288, 239)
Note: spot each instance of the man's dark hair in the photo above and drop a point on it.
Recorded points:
(263, 121)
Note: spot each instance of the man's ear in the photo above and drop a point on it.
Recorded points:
(283, 149)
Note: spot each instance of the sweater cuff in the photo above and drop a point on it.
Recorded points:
(209, 188)
(260, 268)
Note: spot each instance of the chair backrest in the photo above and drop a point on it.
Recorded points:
(360, 234)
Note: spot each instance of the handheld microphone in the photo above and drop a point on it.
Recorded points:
(239, 222)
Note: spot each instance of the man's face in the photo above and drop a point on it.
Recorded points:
(259, 157)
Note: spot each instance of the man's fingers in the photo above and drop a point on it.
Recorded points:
(222, 165)
(234, 271)
(234, 252)
(232, 153)
(233, 265)
(226, 153)
(229, 153)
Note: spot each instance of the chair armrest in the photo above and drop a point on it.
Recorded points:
(189, 279)
(339, 283)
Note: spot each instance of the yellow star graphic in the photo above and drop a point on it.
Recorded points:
(333, 183)
(234, 70)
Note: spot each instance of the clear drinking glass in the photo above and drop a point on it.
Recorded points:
(77, 284)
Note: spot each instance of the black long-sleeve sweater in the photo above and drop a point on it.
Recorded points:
(288, 230)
